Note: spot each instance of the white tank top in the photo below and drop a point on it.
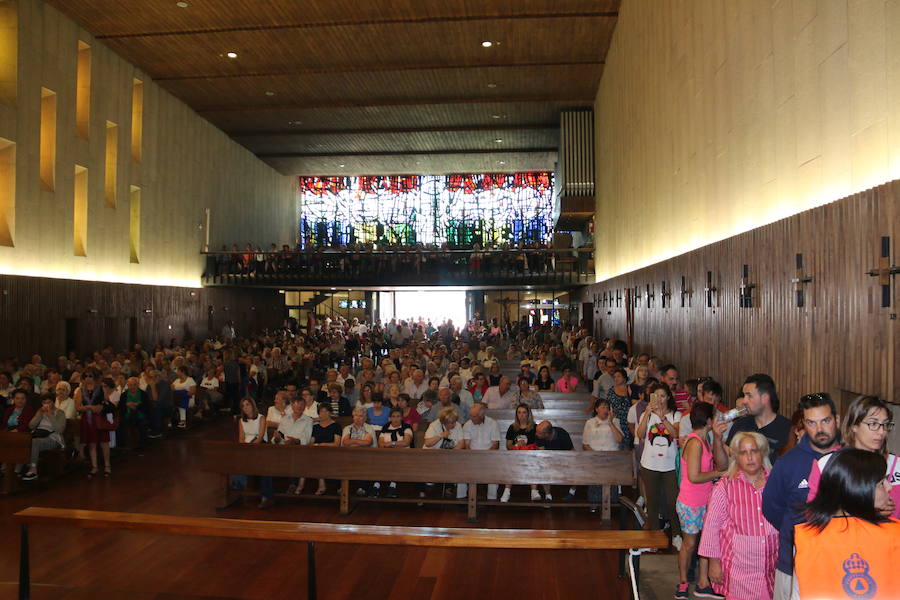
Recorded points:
(251, 429)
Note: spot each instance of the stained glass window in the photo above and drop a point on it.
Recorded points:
(459, 209)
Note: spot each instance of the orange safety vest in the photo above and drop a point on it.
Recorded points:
(850, 559)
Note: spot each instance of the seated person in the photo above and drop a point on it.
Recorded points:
(47, 428)
(295, 428)
(339, 404)
(359, 434)
(553, 438)
(277, 411)
(377, 415)
(134, 412)
(502, 395)
(326, 432)
(445, 400)
(566, 382)
(395, 434)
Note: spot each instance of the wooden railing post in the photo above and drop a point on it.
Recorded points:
(24, 570)
(345, 497)
(473, 503)
(311, 570)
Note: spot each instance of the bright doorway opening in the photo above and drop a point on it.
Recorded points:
(427, 305)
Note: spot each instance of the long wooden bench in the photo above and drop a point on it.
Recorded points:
(472, 467)
(329, 532)
(15, 449)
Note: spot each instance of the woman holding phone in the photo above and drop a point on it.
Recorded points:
(658, 428)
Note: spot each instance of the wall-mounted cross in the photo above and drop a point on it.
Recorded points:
(685, 293)
(745, 295)
(710, 289)
(885, 271)
(650, 296)
(799, 281)
(665, 294)
(637, 296)
(618, 298)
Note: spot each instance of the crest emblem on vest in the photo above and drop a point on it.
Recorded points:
(857, 582)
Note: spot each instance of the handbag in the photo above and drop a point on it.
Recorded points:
(40, 433)
(104, 424)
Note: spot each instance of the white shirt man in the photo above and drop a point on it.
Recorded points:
(295, 427)
(480, 433)
(501, 396)
(416, 385)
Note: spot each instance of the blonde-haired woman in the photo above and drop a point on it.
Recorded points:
(742, 546)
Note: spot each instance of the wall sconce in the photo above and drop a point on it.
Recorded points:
(147, 311)
(92, 311)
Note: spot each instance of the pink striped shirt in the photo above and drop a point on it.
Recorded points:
(736, 532)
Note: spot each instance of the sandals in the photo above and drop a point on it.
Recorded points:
(320, 491)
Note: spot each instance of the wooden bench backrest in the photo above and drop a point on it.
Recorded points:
(15, 447)
(462, 537)
(415, 465)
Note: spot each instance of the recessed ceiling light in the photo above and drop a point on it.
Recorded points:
(341, 166)
(487, 43)
(492, 85)
(498, 141)
(231, 54)
(501, 162)
(270, 93)
(181, 4)
(495, 116)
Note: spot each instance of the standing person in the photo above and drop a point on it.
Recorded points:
(761, 402)
(741, 545)
(846, 548)
(868, 424)
(601, 433)
(788, 485)
(670, 376)
(658, 428)
(698, 471)
(619, 397)
(520, 436)
(232, 373)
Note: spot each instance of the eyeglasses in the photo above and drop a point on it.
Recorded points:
(875, 426)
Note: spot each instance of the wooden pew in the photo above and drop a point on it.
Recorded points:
(15, 449)
(417, 466)
(591, 539)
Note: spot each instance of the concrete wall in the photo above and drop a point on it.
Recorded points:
(186, 166)
(716, 117)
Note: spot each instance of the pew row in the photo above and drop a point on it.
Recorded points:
(15, 449)
(473, 467)
(329, 533)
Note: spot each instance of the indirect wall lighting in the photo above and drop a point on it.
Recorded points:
(83, 91)
(487, 44)
(134, 235)
(137, 118)
(9, 51)
(112, 162)
(80, 220)
(48, 139)
(231, 54)
(7, 192)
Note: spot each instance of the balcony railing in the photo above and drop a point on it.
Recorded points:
(417, 267)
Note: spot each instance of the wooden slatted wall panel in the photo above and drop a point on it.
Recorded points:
(842, 340)
(33, 313)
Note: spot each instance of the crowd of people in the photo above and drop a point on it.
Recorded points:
(757, 505)
(356, 258)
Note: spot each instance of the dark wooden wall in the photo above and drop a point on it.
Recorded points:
(34, 313)
(841, 341)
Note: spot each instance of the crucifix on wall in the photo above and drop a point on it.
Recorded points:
(885, 271)
(799, 281)
(710, 289)
(685, 292)
(745, 294)
(664, 295)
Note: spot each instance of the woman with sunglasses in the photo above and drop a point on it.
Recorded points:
(867, 427)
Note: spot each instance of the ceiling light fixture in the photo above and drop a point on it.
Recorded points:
(181, 4)
(341, 166)
(270, 93)
(501, 162)
(487, 43)
(498, 141)
(231, 54)
(492, 85)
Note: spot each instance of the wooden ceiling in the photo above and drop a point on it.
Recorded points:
(327, 87)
